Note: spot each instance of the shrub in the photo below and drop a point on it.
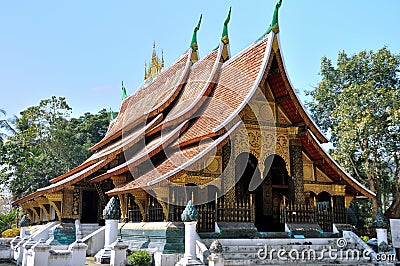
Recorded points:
(139, 258)
(12, 232)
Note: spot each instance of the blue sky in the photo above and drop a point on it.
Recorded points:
(83, 49)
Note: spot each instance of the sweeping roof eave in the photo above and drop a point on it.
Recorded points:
(335, 166)
(155, 177)
(309, 121)
(65, 182)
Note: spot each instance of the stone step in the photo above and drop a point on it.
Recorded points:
(87, 229)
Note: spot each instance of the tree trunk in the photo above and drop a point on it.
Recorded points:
(375, 200)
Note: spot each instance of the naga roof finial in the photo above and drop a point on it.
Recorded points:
(225, 38)
(124, 94)
(274, 26)
(111, 115)
(193, 44)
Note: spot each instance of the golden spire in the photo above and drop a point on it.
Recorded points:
(155, 65)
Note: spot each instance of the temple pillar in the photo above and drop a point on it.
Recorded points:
(67, 203)
(52, 199)
(228, 174)
(142, 200)
(40, 202)
(119, 180)
(296, 183)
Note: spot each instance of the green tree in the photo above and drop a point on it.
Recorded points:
(5, 126)
(357, 102)
(47, 144)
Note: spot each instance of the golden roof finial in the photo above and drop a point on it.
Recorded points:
(155, 65)
(162, 58)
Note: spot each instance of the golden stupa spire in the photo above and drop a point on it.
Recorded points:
(155, 66)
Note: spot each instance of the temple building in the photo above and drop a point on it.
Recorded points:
(226, 131)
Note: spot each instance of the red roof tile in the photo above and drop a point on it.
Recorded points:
(177, 161)
(237, 78)
(150, 99)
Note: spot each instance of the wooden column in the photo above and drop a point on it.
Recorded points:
(40, 202)
(119, 180)
(142, 200)
(296, 184)
(52, 199)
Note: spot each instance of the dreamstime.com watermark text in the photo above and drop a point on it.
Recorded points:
(331, 253)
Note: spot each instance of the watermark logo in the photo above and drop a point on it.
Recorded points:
(338, 252)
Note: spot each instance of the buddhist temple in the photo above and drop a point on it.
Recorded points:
(227, 131)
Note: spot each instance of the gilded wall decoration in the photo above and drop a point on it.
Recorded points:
(332, 189)
(297, 174)
(52, 198)
(282, 118)
(259, 113)
(321, 177)
(263, 141)
(200, 181)
(308, 170)
(141, 199)
(40, 202)
(76, 203)
(67, 202)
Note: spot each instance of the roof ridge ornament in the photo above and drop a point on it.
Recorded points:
(155, 65)
(225, 38)
(274, 26)
(111, 115)
(124, 94)
(193, 45)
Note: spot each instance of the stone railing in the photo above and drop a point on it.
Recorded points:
(353, 238)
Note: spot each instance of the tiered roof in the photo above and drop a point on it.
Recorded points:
(190, 109)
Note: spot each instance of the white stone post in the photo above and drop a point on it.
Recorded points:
(111, 232)
(22, 231)
(78, 230)
(78, 249)
(40, 254)
(111, 214)
(381, 235)
(380, 224)
(190, 217)
(28, 244)
(20, 250)
(190, 240)
(14, 244)
(23, 223)
(118, 253)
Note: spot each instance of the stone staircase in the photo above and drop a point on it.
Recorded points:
(87, 229)
(292, 252)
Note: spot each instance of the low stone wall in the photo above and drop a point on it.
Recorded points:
(164, 237)
(28, 252)
(95, 241)
(5, 249)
